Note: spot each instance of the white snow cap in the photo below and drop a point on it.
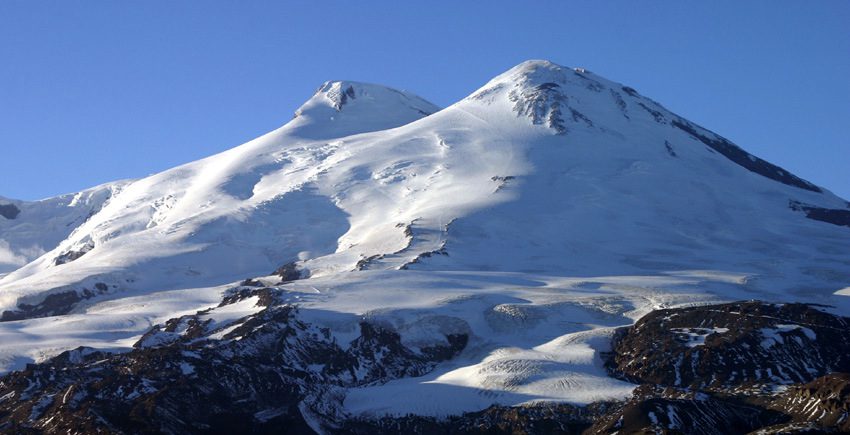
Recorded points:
(543, 169)
(346, 107)
(537, 215)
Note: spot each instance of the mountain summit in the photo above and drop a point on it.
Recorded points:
(342, 108)
(544, 169)
(424, 260)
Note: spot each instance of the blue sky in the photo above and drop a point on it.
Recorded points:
(93, 91)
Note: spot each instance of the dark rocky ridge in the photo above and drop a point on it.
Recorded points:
(54, 304)
(743, 158)
(733, 347)
(651, 410)
(809, 408)
(537, 419)
(657, 410)
(825, 400)
(832, 216)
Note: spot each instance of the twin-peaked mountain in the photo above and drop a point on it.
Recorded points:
(545, 169)
(555, 240)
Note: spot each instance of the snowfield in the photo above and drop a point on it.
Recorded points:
(536, 215)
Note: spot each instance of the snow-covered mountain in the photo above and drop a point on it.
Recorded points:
(534, 216)
(240, 213)
(544, 169)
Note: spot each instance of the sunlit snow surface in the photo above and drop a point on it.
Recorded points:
(538, 214)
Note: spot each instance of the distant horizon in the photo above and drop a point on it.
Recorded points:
(99, 92)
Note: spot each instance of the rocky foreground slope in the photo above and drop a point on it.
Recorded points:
(260, 373)
(714, 369)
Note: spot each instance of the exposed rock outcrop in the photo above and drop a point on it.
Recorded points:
(734, 347)
(9, 211)
(288, 375)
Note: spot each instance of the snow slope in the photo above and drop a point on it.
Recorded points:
(30, 228)
(240, 213)
(542, 169)
(546, 208)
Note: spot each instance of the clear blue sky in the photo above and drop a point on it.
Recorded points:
(93, 91)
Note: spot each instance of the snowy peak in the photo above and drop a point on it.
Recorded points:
(349, 95)
(560, 98)
(569, 99)
(337, 93)
(340, 108)
(364, 179)
(534, 73)
(557, 97)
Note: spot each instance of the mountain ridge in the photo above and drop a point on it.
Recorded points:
(229, 191)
